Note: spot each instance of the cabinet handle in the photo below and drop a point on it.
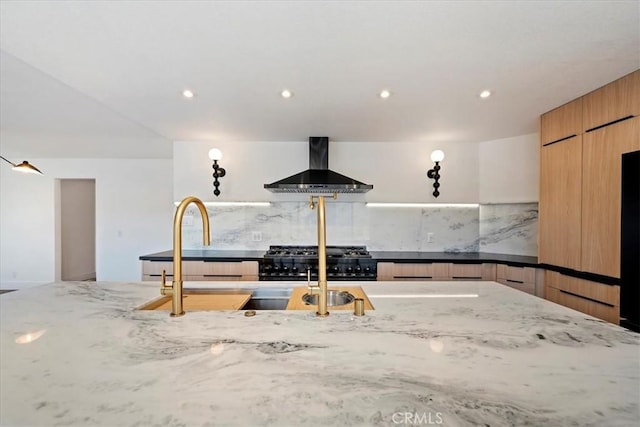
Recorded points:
(587, 298)
(222, 275)
(515, 281)
(559, 140)
(466, 277)
(609, 124)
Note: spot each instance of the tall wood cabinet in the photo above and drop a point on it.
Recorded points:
(582, 143)
(560, 198)
(581, 148)
(601, 194)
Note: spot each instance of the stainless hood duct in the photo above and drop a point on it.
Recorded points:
(318, 178)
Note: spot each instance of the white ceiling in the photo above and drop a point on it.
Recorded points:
(104, 79)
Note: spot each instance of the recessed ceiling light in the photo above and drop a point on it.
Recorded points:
(188, 94)
(485, 94)
(286, 93)
(385, 94)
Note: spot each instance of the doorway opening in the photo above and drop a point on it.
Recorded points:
(76, 229)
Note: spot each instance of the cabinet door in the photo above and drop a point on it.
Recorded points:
(562, 122)
(596, 299)
(465, 271)
(601, 198)
(614, 101)
(560, 198)
(412, 271)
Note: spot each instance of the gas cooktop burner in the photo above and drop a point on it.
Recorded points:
(301, 263)
(312, 251)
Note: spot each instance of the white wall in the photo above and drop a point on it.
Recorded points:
(398, 171)
(509, 170)
(133, 216)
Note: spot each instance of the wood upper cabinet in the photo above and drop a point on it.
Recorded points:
(601, 200)
(614, 101)
(559, 207)
(561, 122)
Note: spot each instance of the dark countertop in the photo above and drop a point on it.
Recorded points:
(388, 256)
(206, 255)
(456, 257)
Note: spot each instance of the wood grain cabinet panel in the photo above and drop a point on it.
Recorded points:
(601, 199)
(465, 271)
(154, 268)
(596, 299)
(389, 271)
(203, 271)
(521, 278)
(559, 206)
(611, 102)
(562, 122)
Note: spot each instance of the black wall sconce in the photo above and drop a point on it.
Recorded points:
(218, 172)
(23, 167)
(436, 156)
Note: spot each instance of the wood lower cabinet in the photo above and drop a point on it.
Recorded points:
(560, 200)
(203, 271)
(601, 195)
(592, 298)
(390, 271)
(520, 278)
(485, 271)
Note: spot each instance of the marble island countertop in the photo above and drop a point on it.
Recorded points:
(431, 353)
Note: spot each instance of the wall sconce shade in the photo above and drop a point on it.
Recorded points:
(436, 156)
(24, 167)
(218, 172)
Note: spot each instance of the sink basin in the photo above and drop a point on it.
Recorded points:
(334, 298)
(268, 299)
(226, 299)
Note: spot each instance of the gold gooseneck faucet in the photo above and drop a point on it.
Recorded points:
(175, 290)
(322, 256)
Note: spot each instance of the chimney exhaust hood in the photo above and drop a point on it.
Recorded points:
(318, 178)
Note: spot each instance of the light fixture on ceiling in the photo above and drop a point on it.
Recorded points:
(384, 94)
(25, 166)
(485, 94)
(188, 93)
(436, 156)
(286, 93)
(218, 172)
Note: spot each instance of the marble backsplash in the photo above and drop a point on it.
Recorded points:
(499, 228)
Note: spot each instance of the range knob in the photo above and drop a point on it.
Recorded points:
(285, 269)
(335, 269)
(349, 269)
(276, 269)
(358, 269)
(367, 270)
(267, 268)
(294, 269)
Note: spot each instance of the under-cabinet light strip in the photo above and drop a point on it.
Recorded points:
(422, 205)
(232, 203)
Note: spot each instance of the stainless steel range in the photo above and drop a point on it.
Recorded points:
(297, 262)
